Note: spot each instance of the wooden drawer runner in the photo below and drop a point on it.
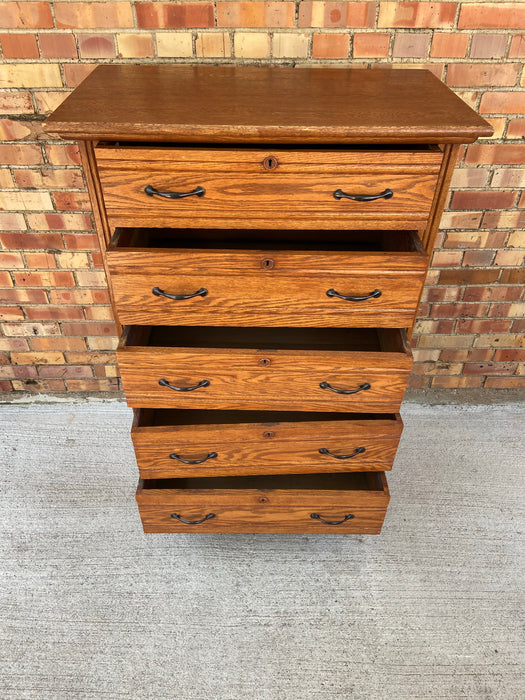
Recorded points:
(254, 188)
(285, 369)
(358, 502)
(254, 283)
(172, 444)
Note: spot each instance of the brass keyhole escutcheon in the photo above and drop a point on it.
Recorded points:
(270, 163)
(268, 434)
(267, 264)
(263, 499)
(265, 362)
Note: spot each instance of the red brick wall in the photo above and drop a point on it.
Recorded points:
(57, 332)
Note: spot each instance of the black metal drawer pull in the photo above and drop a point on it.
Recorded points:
(385, 194)
(211, 455)
(316, 516)
(164, 382)
(363, 387)
(179, 297)
(373, 295)
(324, 451)
(198, 192)
(193, 522)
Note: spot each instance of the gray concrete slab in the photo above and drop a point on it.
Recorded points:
(93, 608)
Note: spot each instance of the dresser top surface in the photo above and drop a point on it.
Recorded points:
(265, 104)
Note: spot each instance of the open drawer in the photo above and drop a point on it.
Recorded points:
(266, 278)
(328, 503)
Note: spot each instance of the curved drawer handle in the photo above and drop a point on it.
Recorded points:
(385, 194)
(164, 382)
(210, 455)
(316, 516)
(359, 451)
(363, 387)
(198, 192)
(193, 522)
(179, 297)
(373, 295)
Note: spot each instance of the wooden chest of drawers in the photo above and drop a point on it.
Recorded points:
(266, 234)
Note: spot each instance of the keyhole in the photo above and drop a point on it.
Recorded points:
(267, 263)
(270, 163)
(265, 362)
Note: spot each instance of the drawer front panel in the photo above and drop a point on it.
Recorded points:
(267, 288)
(233, 188)
(249, 379)
(265, 509)
(266, 448)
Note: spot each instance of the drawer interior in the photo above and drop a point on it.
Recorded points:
(146, 418)
(342, 339)
(267, 239)
(354, 481)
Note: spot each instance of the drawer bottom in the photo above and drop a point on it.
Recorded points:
(353, 503)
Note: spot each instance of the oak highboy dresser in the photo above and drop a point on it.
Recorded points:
(266, 233)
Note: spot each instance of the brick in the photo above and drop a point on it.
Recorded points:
(251, 45)
(495, 293)
(371, 45)
(38, 385)
(478, 258)
(458, 310)
(26, 201)
(488, 45)
(456, 382)
(10, 260)
(80, 241)
(24, 296)
(330, 45)
(91, 278)
(441, 294)
(58, 154)
(490, 74)
(516, 129)
(411, 45)
(49, 178)
(25, 15)
(447, 258)
(19, 45)
(58, 343)
(475, 239)
(102, 343)
(10, 221)
(509, 258)
(47, 278)
(14, 130)
(18, 372)
(213, 45)
(74, 261)
(422, 355)
(54, 313)
(96, 258)
(503, 219)
(174, 45)
(482, 326)
(106, 371)
(508, 177)
(255, 14)
(15, 102)
(5, 279)
(357, 15)
(57, 45)
(135, 46)
(47, 102)
(452, 220)
(445, 341)
(512, 277)
(496, 153)
(466, 276)
(433, 368)
(423, 15)
(20, 154)
(483, 200)
(96, 45)
(504, 383)
(92, 15)
(516, 239)
(290, 45)
(517, 46)
(485, 368)
(31, 329)
(434, 326)
(99, 313)
(494, 340)
(20, 75)
(59, 222)
(37, 358)
(11, 313)
(27, 240)
(72, 201)
(75, 73)
(500, 102)
(501, 15)
(92, 384)
(89, 329)
(417, 382)
(65, 371)
(464, 355)
(510, 355)
(449, 45)
(498, 124)
(43, 261)
(6, 179)
(174, 15)
(79, 296)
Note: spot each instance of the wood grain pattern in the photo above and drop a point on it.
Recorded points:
(272, 447)
(241, 193)
(255, 507)
(272, 104)
(249, 378)
(244, 291)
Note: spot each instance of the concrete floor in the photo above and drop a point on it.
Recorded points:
(93, 608)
